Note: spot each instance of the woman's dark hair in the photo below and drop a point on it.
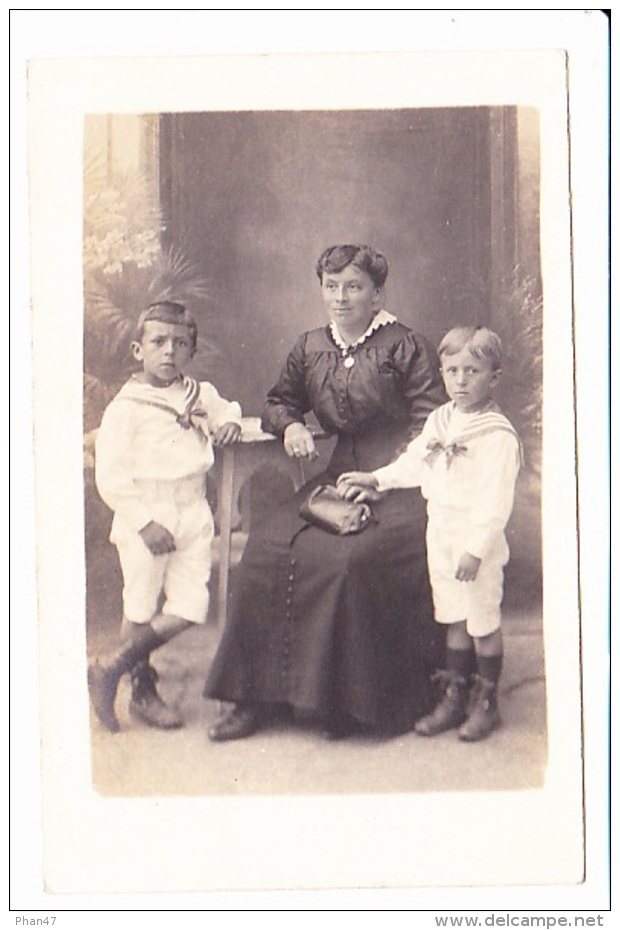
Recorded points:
(337, 257)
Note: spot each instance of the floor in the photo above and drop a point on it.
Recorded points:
(292, 758)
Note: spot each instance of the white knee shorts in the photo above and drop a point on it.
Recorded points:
(479, 601)
(181, 576)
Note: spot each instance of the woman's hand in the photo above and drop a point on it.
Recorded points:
(227, 434)
(299, 442)
(358, 486)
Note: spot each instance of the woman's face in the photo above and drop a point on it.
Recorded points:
(352, 299)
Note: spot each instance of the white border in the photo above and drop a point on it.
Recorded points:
(464, 30)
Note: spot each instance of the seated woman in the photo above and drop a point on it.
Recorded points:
(339, 626)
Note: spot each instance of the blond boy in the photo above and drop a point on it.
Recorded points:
(466, 461)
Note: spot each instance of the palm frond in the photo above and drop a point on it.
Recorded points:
(520, 313)
(177, 278)
(125, 269)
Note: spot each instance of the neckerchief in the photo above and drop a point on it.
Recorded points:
(191, 404)
(489, 420)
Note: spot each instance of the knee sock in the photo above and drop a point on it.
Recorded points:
(165, 630)
(461, 661)
(141, 636)
(490, 667)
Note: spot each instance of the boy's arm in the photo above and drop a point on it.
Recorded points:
(498, 469)
(406, 471)
(219, 410)
(114, 467)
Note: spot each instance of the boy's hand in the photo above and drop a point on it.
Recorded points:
(468, 566)
(227, 434)
(299, 442)
(157, 538)
(358, 486)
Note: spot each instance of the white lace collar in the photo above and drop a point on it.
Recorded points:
(382, 318)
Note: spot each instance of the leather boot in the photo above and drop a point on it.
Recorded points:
(146, 704)
(105, 673)
(483, 716)
(451, 710)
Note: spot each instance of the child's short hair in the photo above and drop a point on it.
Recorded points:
(167, 311)
(481, 342)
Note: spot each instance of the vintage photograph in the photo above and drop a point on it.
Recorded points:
(305, 433)
(324, 272)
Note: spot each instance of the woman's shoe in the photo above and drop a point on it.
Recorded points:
(240, 721)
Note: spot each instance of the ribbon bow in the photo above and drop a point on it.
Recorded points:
(436, 447)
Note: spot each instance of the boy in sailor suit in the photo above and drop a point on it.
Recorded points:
(466, 461)
(153, 450)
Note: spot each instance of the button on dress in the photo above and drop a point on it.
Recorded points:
(332, 624)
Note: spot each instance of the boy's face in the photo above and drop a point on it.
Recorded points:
(164, 350)
(468, 379)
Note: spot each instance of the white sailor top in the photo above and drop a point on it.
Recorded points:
(156, 433)
(466, 466)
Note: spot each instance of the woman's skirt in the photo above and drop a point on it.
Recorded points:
(334, 624)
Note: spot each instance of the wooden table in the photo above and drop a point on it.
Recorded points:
(234, 465)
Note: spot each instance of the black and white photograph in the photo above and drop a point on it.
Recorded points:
(315, 633)
(306, 434)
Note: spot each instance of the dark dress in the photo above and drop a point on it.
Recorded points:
(332, 624)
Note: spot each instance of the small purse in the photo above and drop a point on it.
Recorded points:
(327, 510)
